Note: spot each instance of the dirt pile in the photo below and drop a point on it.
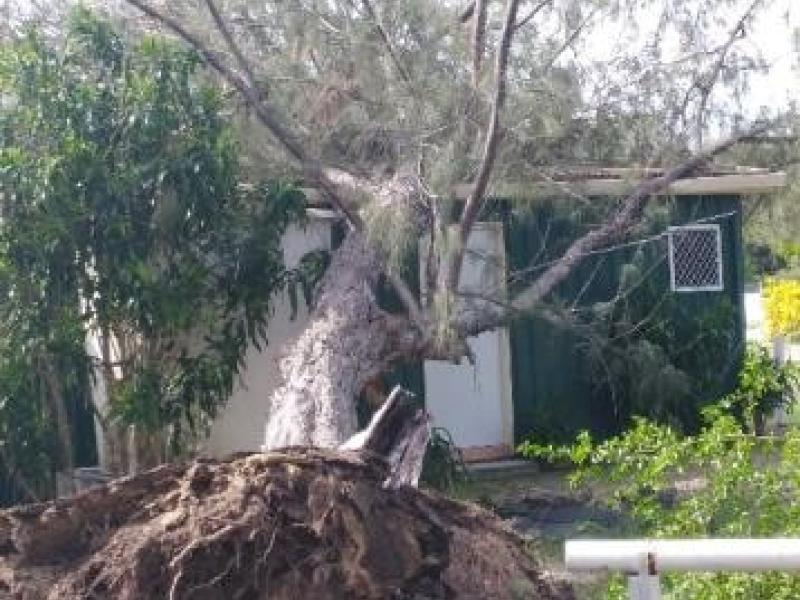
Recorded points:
(299, 524)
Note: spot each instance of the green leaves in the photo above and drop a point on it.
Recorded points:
(763, 387)
(124, 214)
(720, 482)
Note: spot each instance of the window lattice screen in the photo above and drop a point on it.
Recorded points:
(695, 258)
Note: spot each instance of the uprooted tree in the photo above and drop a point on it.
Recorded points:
(383, 111)
(300, 523)
(406, 116)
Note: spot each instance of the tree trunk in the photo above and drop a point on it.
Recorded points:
(348, 340)
(59, 412)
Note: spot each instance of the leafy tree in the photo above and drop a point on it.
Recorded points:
(124, 218)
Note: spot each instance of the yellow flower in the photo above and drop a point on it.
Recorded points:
(782, 307)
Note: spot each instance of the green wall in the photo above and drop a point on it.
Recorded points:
(553, 389)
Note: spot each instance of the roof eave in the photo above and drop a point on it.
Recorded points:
(733, 184)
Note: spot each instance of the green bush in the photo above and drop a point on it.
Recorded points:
(762, 387)
(744, 486)
(723, 481)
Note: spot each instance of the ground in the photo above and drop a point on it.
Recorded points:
(540, 506)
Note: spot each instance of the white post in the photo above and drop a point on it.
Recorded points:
(779, 350)
(645, 584)
(643, 560)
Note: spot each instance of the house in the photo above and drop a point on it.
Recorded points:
(534, 376)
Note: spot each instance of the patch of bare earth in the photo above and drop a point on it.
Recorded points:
(299, 524)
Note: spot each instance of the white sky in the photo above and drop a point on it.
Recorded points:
(772, 33)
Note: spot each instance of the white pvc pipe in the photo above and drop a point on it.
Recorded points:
(779, 554)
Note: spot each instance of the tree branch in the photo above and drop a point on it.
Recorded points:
(242, 61)
(531, 15)
(312, 169)
(621, 223)
(475, 322)
(704, 83)
(387, 42)
(475, 198)
(478, 39)
(570, 40)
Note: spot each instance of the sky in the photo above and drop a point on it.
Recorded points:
(772, 33)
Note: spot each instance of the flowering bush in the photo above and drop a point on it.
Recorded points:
(782, 306)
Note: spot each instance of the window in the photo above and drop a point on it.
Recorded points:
(695, 258)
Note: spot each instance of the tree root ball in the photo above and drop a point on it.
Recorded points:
(300, 524)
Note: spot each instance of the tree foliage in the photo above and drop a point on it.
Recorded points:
(124, 217)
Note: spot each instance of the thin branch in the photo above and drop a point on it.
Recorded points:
(478, 39)
(474, 201)
(570, 40)
(387, 42)
(588, 283)
(704, 83)
(531, 15)
(707, 86)
(243, 63)
(264, 113)
(312, 169)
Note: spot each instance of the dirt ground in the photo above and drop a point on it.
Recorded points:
(540, 506)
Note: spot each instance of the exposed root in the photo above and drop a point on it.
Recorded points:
(301, 524)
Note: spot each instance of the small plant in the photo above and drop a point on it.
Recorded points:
(763, 387)
(444, 465)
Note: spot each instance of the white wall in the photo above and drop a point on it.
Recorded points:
(473, 402)
(754, 316)
(240, 425)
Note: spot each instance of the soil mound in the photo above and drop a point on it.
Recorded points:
(300, 524)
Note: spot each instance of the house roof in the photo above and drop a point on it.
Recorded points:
(587, 181)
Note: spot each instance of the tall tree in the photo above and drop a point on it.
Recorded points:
(125, 219)
(386, 108)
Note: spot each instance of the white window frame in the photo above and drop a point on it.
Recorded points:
(671, 252)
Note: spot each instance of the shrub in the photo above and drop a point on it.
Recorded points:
(743, 486)
(782, 307)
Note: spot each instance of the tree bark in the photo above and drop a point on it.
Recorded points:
(348, 341)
